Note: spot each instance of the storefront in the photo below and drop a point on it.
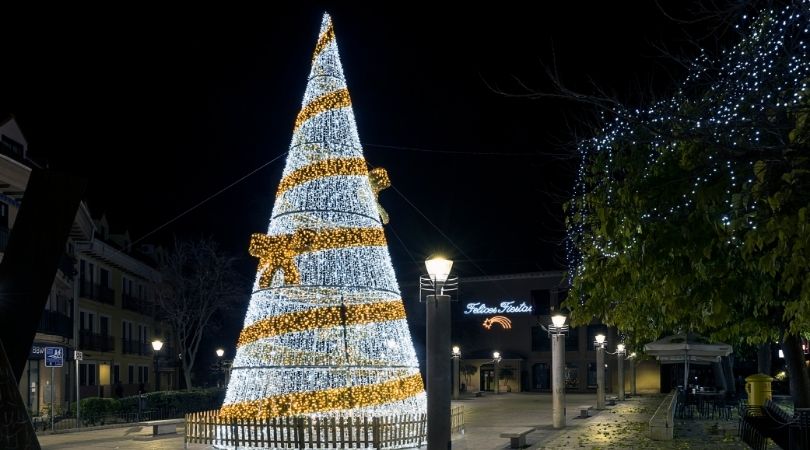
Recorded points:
(506, 314)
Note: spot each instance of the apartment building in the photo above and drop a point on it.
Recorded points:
(101, 303)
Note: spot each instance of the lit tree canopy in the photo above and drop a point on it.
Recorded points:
(692, 214)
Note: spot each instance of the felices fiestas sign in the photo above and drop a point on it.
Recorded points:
(504, 308)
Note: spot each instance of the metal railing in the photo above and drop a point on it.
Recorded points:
(95, 341)
(53, 322)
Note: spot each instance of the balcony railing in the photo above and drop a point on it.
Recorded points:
(56, 323)
(95, 341)
(132, 347)
(96, 292)
(136, 304)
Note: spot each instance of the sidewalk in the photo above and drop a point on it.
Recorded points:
(623, 426)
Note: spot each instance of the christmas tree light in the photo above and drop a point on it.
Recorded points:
(325, 333)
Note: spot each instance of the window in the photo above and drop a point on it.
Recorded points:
(87, 374)
(541, 341)
(143, 374)
(572, 340)
(11, 146)
(104, 278)
(3, 215)
(126, 286)
(87, 321)
(116, 374)
(104, 325)
(542, 302)
(131, 374)
(571, 376)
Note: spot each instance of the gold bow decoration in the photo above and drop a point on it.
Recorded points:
(277, 253)
(379, 180)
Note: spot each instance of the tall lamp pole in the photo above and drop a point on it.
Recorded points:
(220, 367)
(157, 344)
(438, 365)
(557, 331)
(620, 352)
(456, 357)
(632, 359)
(600, 343)
(496, 363)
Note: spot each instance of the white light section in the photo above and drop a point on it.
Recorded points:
(558, 320)
(348, 194)
(600, 339)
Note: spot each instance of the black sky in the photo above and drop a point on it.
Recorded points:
(160, 109)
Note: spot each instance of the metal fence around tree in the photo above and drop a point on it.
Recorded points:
(208, 427)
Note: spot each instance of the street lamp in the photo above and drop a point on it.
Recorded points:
(632, 359)
(157, 344)
(496, 361)
(557, 331)
(437, 305)
(456, 357)
(620, 352)
(220, 368)
(600, 343)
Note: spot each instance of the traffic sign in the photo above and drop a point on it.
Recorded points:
(54, 357)
(78, 356)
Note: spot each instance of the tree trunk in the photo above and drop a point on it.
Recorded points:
(187, 374)
(764, 358)
(797, 371)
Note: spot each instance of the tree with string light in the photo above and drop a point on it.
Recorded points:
(692, 213)
(325, 332)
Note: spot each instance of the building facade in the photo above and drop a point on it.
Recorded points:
(101, 304)
(507, 314)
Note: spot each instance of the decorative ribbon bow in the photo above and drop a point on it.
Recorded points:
(277, 253)
(379, 181)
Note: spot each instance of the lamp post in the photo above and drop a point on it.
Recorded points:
(557, 331)
(620, 352)
(220, 353)
(632, 359)
(456, 357)
(600, 370)
(157, 344)
(438, 341)
(496, 363)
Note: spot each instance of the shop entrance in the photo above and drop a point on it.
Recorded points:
(487, 374)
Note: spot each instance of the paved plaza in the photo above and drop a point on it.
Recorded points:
(619, 427)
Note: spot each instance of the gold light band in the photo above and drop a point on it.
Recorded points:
(324, 39)
(326, 400)
(321, 169)
(326, 317)
(332, 100)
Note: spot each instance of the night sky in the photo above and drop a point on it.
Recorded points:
(160, 109)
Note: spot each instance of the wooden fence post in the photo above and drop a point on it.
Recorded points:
(375, 432)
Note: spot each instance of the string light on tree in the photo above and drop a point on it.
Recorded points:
(326, 308)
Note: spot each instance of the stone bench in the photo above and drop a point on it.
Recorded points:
(159, 427)
(517, 436)
(612, 400)
(583, 411)
(662, 423)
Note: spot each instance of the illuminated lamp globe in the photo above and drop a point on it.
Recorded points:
(620, 348)
(600, 339)
(456, 350)
(558, 320)
(157, 344)
(439, 269)
(496, 355)
(220, 352)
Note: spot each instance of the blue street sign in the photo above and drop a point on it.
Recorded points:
(54, 356)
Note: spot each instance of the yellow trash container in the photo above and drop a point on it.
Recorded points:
(758, 387)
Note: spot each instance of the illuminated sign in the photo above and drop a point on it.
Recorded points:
(504, 322)
(503, 308)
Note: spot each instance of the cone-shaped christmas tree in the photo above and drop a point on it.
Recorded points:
(325, 332)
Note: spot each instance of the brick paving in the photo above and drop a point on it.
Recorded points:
(623, 426)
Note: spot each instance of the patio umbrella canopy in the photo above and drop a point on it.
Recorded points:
(691, 348)
(687, 348)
